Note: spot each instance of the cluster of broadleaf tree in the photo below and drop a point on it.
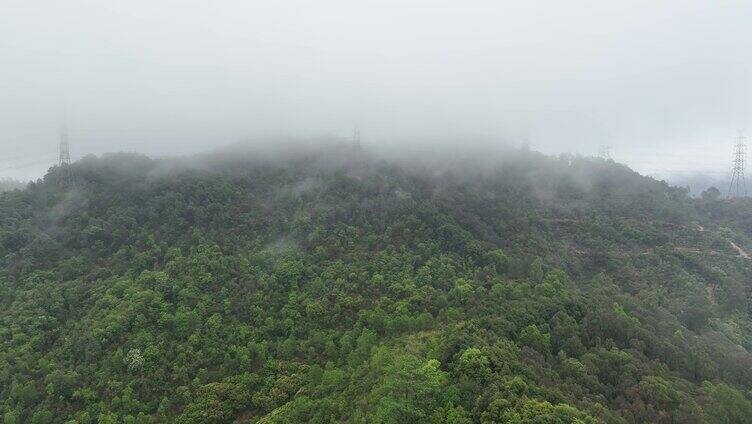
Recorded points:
(303, 288)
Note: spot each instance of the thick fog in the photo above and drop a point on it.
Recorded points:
(665, 84)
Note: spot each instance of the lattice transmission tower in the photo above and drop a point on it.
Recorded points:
(604, 152)
(356, 138)
(738, 186)
(64, 158)
(65, 174)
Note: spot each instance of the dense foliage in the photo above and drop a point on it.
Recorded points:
(297, 288)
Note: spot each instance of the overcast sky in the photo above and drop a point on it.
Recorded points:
(665, 83)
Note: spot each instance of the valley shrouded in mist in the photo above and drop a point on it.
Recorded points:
(329, 284)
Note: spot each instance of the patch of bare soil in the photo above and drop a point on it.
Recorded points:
(742, 253)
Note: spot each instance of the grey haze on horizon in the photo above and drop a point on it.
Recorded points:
(666, 84)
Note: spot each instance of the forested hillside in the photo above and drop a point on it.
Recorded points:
(333, 286)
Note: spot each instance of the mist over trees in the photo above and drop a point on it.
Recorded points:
(333, 284)
(7, 184)
(385, 211)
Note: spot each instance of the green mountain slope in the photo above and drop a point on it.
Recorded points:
(278, 288)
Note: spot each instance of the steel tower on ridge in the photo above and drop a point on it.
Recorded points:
(738, 186)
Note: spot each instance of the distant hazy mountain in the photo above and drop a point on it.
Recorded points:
(697, 182)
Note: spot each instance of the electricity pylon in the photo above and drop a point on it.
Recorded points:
(356, 138)
(64, 158)
(64, 168)
(604, 152)
(738, 186)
